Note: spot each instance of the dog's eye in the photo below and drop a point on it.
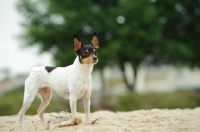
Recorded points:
(96, 53)
(86, 53)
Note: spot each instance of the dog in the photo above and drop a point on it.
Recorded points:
(71, 82)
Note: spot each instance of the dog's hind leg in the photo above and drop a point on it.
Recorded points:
(45, 96)
(28, 99)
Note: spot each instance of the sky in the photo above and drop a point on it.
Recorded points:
(13, 55)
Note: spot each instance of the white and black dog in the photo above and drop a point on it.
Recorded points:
(71, 82)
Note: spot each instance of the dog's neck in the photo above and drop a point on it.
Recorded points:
(86, 69)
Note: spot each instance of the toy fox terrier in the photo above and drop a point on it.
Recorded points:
(71, 82)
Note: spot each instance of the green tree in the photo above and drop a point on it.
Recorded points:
(138, 33)
(135, 31)
(157, 32)
(181, 31)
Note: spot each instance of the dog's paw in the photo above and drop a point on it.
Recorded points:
(63, 119)
(78, 120)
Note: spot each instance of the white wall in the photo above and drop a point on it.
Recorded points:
(167, 78)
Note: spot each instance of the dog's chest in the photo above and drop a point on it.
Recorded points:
(72, 83)
(81, 81)
(80, 87)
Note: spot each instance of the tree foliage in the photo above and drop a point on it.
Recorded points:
(51, 24)
(181, 28)
(135, 31)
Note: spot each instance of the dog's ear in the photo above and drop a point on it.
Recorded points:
(76, 43)
(95, 40)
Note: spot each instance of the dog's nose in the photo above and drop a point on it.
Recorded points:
(94, 58)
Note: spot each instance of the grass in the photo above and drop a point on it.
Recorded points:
(11, 102)
(178, 99)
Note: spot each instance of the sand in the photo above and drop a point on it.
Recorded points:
(155, 120)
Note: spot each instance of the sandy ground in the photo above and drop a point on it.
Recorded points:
(155, 120)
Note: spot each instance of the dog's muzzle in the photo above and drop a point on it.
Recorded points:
(95, 59)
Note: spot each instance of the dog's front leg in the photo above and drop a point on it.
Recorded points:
(73, 105)
(86, 104)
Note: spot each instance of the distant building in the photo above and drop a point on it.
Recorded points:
(167, 79)
(11, 83)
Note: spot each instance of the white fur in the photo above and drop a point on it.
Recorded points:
(71, 82)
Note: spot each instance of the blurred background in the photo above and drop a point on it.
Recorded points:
(148, 58)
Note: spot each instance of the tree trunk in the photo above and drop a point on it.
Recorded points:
(135, 77)
(130, 87)
(103, 89)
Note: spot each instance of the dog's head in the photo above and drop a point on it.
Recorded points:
(88, 54)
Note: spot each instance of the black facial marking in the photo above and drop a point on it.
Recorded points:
(86, 51)
(50, 68)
